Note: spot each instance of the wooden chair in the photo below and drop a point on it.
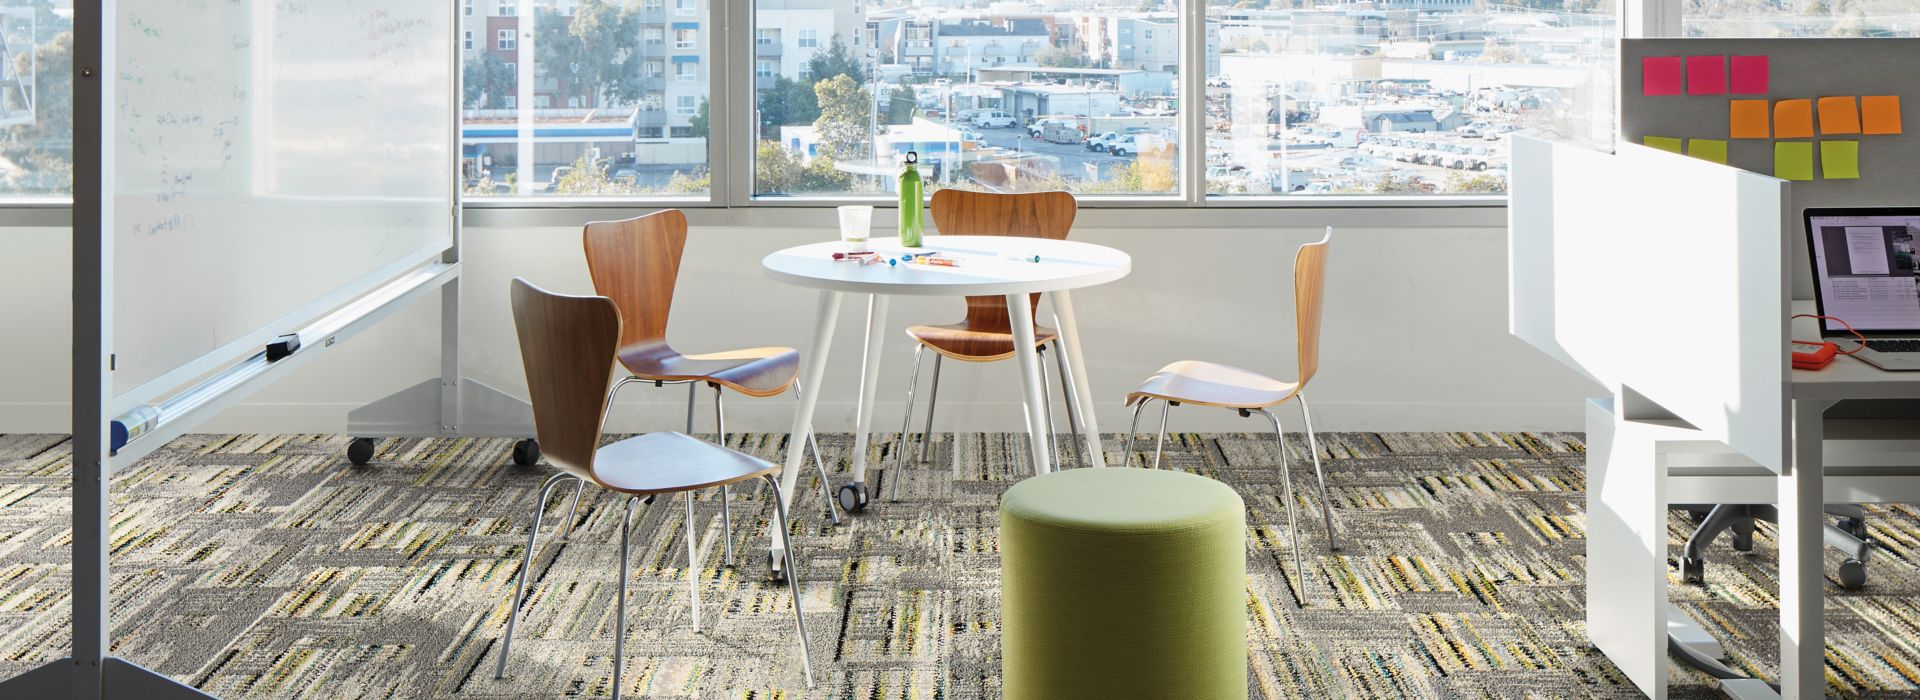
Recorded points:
(636, 263)
(986, 334)
(567, 345)
(1210, 384)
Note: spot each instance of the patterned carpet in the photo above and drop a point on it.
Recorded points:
(261, 566)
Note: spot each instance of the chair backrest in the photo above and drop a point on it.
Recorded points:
(1309, 283)
(1029, 214)
(567, 345)
(636, 263)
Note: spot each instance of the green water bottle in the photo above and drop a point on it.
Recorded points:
(911, 202)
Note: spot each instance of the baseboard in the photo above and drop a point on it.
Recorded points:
(776, 415)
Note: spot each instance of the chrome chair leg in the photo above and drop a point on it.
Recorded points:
(1160, 442)
(1126, 458)
(826, 487)
(726, 493)
(1313, 445)
(693, 565)
(793, 579)
(1293, 530)
(578, 486)
(1046, 404)
(526, 563)
(899, 472)
(1072, 402)
(620, 610)
(933, 397)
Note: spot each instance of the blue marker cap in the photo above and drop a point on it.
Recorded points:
(891, 263)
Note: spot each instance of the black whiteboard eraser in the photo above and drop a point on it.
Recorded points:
(283, 346)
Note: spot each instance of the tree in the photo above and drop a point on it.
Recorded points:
(834, 62)
(901, 104)
(486, 82)
(787, 103)
(846, 113)
(591, 54)
(702, 121)
(1057, 57)
(778, 171)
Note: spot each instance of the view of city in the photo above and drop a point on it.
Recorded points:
(1334, 97)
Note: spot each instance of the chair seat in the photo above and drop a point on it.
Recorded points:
(671, 463)
(1210, 384)
(753, 371)
(961, 341)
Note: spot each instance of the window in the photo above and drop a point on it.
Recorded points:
(1333, 101)
(971, 126)
(683, 7)
(764, 69)
(1733, 19)
(683, 38)
(765, 37)
(596, 115)
(468, 11)
(36, 111)
(466, 41)
(507, 8)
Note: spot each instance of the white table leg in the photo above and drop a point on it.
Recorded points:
(1802, 582)
(1082, 387)
(869, 384)
(1020, 310)
(812, 369)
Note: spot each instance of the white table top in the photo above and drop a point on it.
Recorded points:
(1846, 378)
(985, 267)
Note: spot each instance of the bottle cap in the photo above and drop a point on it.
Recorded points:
(912, 157)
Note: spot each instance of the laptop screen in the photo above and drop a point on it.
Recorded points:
(1864, 266)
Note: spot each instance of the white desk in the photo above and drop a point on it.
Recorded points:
(985, 270)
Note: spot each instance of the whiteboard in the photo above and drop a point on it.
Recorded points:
(271, 158)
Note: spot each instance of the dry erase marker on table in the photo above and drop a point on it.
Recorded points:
(1025, 258)
(938, 262)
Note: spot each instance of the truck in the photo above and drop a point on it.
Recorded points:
(1057, 132)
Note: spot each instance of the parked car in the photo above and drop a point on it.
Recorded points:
(1099, 143)
(553, 183)
(994, 119)
(1125, 146)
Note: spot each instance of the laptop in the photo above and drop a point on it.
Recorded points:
(1864, 271)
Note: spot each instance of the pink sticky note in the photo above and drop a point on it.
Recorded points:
(1660, 75)
(1749, 75)
(1706, 75)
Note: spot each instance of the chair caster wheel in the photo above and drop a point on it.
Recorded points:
(360, 451)
(853, 497)
(1853, 574)
(776, 570)
(1693, 570)
(526, 453)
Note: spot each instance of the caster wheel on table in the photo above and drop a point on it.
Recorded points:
(1853, 574)
(526, 452)
(360, 451)
(853, 497)
(1693, 570)
(776, 570)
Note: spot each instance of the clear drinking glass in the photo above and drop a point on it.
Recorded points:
(856, 223)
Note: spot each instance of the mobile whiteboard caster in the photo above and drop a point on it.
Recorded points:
(853, 497)
(360, 451)
(1693, 570)
(526, 452)
(776, 568)
(1853, 574)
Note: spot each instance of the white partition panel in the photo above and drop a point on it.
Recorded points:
(1661, 273)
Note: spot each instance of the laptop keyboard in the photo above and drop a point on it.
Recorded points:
(1894, 345)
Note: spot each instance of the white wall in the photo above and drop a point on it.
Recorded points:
(1415, 335)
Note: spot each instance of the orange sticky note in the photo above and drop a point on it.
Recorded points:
(1880, 114)
(1839, 115)
(1793, 119)
(1749, 119)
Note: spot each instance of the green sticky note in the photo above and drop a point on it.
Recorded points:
(1708, 149)
(1664, 143)
(1840, 160)
(1793, 160)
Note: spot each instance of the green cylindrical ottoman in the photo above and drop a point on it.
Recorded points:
(1123, 583)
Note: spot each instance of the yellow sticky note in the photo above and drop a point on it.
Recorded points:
(1839, 115)
(1793, 119)
(1840, 160)
(1793, 160)
(1748, 119)
(1708, 149)
(1664, 143)
(1880, 114)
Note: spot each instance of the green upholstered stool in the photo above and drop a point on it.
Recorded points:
(1123, 583)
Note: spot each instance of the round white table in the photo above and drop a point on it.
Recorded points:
(987, 267)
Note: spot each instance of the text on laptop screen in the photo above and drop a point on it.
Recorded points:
(1865, 266)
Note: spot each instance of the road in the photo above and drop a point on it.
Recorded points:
(1074, 157)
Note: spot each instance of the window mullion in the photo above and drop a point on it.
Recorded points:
(1191, 158)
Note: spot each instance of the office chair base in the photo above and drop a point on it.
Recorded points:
(361, 450)
(853, 497)
(526, 453)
